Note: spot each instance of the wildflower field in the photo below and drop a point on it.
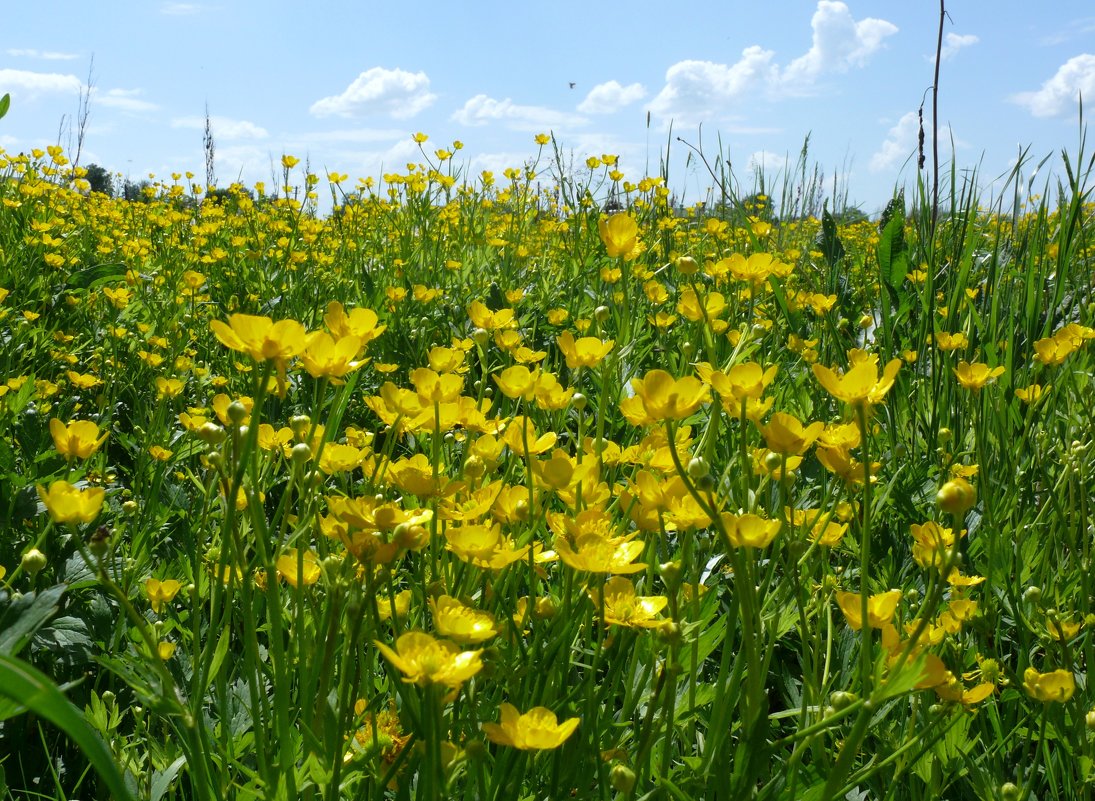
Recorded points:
(540, 486)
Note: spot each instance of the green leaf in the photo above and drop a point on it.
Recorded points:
(828, 241)
(96, 275)
(162, 779)
(67, 640)
(5, 104)
(24, 616)
(18, 680)
(893, 251)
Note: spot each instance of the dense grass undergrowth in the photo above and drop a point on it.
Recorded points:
(473, 489)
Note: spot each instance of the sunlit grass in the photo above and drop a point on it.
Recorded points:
(471, 489)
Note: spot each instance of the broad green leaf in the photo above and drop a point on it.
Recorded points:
(5, 104)
(162, 779)
(828, 240)
(25, 615)
(39, 695)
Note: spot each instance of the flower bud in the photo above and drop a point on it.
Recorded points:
(841, 700)
(300, 453)
(211, 434)
(578, 401)
(698, 468)
(1032, 595)
(687, 265)
(300, 423)
(622, 778)
(670, 572)
(521, 510)
(601, 313)
(33, 561)
(669, 632)
(237, 412)
(545, 608)
(1009, 791)
(956, 496)
(474, 467)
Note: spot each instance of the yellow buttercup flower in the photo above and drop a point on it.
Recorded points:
(296, 574)
(597, 554)
(659, 396)
(168, 387)
(786, 435)
(536, 730)
(749, 530)
(745, 381)
(361, 323)
(262, 338)
(584, 352)
(1031, 394)
(518, 382)
(457, 621)
(424, 660)
(975, 376)
(623, 607)
(1057, 685)
(160, 592)
(327, 358)
(76, 440)
(68, 504)
(880, 608)
(861, 385)
(620, 234)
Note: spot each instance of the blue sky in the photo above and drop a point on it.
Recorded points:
(345, 85)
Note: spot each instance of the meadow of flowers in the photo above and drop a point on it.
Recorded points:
(474, 489)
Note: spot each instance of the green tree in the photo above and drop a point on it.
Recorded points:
(100, 179)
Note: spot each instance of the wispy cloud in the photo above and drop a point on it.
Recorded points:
(34, 84)
(1072, 30)
(481, 110)
(696, 90)
(379, 92)
(952, 43)
(46, 55)
(899, 144)
(223, 127)
(124, 99)
(1062, 92)
(180, 9)
(610, 97)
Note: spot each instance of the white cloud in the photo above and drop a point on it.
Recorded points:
(1073, 29)
(696, 90)
(953, 42)
(900, 143)
(767, 162)
(48, 55)
(223, 127)
(180, 9)
(1061, 92)
(610, 97)
(482, 109)
(839, 44)
(353, 135)
(124, 99)
(398, 93)
(39, 83)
